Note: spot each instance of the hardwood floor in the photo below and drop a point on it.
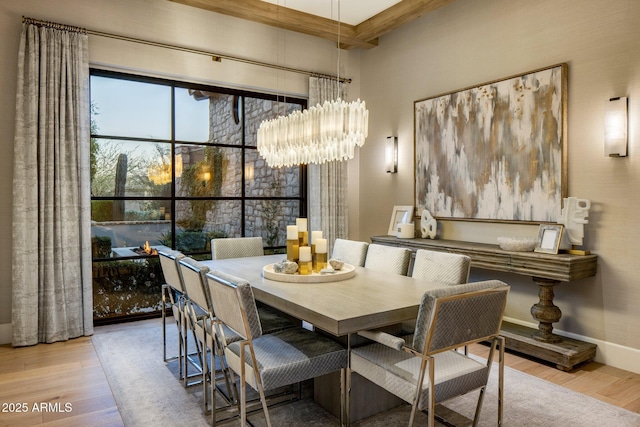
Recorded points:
(67, 385)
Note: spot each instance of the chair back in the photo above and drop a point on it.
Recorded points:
(169, 263)
(193, 276)
(350, 251)
(236, 247)
(234, 303)
(441, 267)
(455, 316)
(388, 258)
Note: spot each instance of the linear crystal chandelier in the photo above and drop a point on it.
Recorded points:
(323, 133)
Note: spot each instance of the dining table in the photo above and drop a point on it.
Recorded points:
(368, 299)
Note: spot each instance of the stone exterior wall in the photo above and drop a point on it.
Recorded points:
(264, 218)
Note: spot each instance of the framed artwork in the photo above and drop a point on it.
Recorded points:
(400, 215)
(495, 151)
(549, 236)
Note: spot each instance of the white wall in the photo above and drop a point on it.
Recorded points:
(470, 42)
(165, 22)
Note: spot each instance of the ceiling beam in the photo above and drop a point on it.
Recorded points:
(396, 16)
(288, 19)
(364, 35)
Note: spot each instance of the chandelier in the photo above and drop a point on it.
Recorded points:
(320, 134)
(323, 133)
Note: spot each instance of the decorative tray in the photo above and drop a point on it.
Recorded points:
(346, 272)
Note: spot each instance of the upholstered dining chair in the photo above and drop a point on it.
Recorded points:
(438, 267)
(350, 251)
(173, 294)
(441, 267)
(236, 247)
(267, 361)
(241, 247)
(193, 274)
(388, 258)
(425, 369)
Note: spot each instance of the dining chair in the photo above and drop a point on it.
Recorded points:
(173, 293)
(443, 268)
(241, 247)
(350, 251)
(390, 259)
(425, 369)
(267, 361)
(193, 274)
(236, 247)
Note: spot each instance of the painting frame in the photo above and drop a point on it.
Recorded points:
(401, 214)
(496, 151)
(549, 236)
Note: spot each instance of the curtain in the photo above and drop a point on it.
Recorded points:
(328, 207)
(52, 284)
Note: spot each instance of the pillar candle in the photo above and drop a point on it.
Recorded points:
(305, 253)
(315, 235)
(292, 232)
(321, 246)
(302, 224)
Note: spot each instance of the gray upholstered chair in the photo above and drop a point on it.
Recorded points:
(388, 258)
(236, 247)
(425, 369)
(193, 274)
(441, 267)
(241, 247)
(350, 251)
(172, 294)
(269, 361)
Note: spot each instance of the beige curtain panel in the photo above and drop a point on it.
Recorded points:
(328, 204)
(52, 285)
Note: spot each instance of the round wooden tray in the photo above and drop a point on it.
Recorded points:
(346, 272)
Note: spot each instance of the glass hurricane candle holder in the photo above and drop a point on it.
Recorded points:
(305, 264)
(320, 255)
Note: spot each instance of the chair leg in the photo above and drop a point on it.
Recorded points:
(164, 322)
(347, 397)
(501, 340)
(416, 398)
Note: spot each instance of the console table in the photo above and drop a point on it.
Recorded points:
(547, 271)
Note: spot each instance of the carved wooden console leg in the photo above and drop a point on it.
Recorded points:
(545, 312)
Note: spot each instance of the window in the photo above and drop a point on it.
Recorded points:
(175, 165)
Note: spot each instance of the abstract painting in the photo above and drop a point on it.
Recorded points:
(496, 151)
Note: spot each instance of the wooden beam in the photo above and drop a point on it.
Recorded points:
(396, 16)
(288, 19)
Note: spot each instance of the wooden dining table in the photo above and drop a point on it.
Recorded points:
(370, 299)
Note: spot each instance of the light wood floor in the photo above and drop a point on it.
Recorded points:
(70, 374)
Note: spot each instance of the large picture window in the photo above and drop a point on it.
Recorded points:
(175, 165)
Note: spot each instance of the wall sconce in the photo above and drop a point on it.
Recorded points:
(391, 154)
(615, 127)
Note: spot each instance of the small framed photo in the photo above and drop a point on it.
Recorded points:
(549, 238)
(400, 215)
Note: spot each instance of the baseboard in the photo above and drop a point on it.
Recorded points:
(615, 355)
(5, 333)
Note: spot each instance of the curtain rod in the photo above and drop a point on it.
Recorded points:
(214, 56)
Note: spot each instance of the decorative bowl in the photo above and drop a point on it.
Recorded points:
(517, 244)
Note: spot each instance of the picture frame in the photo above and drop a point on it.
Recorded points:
(400, 215)
(549, 236)
(494, 152)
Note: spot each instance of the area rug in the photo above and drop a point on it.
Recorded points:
(147, 392)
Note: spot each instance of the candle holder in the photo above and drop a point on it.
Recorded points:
(293, 243)
(305, 265)
(320, 256)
